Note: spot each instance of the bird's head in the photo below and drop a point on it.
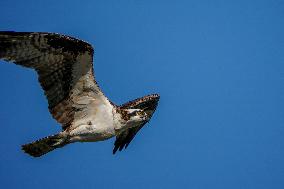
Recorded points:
(136, 115)
(140, 111)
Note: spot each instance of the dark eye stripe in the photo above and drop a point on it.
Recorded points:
(132, 113)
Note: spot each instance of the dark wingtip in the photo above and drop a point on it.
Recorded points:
(152, 97)
(13, 33)
(155, 96)
(6, 32)
(114, 150)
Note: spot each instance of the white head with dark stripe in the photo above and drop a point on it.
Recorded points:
(139, 111)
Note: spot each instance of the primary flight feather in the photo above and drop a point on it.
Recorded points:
(65, 71)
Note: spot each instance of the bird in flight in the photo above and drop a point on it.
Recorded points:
(65, 72)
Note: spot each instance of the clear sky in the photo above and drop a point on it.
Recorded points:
(218, 66)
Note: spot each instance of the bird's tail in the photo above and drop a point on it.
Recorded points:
(45, 145)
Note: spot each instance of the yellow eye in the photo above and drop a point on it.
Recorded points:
(140, 113)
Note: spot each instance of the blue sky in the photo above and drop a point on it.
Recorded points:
(218, 66)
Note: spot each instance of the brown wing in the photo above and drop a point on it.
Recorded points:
(148, 104)
(64, 66)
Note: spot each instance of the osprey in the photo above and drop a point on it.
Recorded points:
(65, 71)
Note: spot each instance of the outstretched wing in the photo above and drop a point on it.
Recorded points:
(148, 104)
(124, 139)
(64, 66)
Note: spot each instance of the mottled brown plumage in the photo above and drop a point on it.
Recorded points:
(65, 72)
(53, 57)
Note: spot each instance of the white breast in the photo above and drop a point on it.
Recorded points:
(94, 122)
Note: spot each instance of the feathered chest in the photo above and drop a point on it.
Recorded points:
(93, 122)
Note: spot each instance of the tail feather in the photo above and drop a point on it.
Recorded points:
(44, 145)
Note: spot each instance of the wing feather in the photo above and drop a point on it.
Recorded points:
(64, 66)
(124, 139)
